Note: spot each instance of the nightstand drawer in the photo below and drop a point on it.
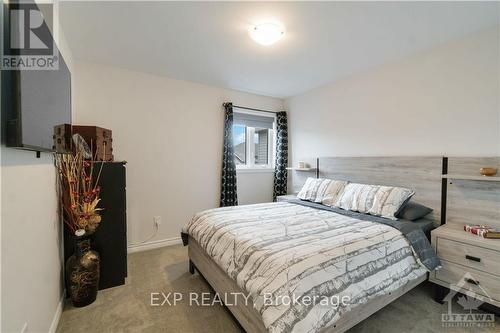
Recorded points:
(480, 258)
(469, 279)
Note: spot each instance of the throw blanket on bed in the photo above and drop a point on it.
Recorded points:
(282, 249)
(412, 232)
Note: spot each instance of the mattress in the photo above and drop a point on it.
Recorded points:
(279, 252)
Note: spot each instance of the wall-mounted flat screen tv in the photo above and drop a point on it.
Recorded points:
(34, 101)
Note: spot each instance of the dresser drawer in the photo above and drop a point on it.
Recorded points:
(480, 258)
(479, 282)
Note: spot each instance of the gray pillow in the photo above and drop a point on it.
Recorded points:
(413, 211)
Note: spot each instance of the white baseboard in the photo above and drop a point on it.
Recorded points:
(154, 245)
(57, 315)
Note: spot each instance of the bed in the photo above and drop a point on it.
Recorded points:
(286, 266)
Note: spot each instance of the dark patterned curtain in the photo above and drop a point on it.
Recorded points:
(280, 172)
(228, 194)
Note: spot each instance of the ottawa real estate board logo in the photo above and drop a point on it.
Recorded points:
(471, 302)
(27, 41)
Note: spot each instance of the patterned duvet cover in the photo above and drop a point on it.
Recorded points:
(298, 262)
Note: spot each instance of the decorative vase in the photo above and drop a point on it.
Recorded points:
(82, 271)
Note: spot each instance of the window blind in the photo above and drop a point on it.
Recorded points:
(251, 120)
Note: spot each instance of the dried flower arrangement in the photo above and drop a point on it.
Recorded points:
(79, 193)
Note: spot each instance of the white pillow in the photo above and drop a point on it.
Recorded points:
(389, 200)
(333, 191)
(321, 190)
(357, 197)
(310, 189)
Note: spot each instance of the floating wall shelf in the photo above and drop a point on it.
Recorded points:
(472, 177)
(302, 169)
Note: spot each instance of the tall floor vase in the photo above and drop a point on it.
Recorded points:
(82, 272)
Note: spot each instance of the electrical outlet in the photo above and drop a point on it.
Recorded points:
(157, 220)
(25, 328)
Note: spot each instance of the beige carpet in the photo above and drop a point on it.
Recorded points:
(127, 308)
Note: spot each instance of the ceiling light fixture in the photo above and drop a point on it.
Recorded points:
(267, 33)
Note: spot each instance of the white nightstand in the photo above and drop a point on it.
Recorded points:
(470, 264)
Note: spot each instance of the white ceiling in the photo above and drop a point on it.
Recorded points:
(207, 42)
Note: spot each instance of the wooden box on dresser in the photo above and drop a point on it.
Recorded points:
(470, 263)
(99, 139)
(110, 238)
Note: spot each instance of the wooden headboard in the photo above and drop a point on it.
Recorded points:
(422, 174)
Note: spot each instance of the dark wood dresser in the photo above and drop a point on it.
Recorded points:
(110, 238)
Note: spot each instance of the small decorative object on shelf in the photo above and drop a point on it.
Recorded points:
(488, 171)
(482, 231)
(79, 192)
(302, 165)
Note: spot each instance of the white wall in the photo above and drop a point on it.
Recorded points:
(443, 101)
(255, 186)
(32, 278)
(31, 256)
(170, 133)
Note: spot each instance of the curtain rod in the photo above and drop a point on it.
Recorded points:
(252, 109)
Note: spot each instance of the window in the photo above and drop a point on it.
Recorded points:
(261, 143)
(240, 144)
(253, 140)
